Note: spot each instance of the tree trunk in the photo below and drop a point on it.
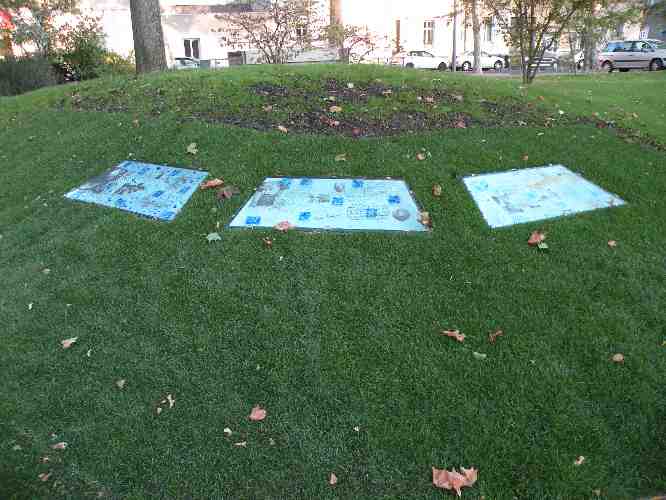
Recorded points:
(148, 36)
(476, 27)
(454, 61)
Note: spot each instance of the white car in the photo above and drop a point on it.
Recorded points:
(633, 54)
(420, 59)
(488, 61)
(186, 63)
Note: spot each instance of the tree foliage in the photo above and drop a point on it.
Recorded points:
(276, 29)
(355, 42)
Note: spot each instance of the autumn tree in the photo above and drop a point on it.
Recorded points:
(148, 35)
(34, 21)
(534, 26)
(354, 42)
(275, 27)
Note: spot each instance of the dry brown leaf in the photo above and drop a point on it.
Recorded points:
(541, 98)
(437, 190)
(59, 446)
(526, 157)
(454, 334)
(213, 183)
(268, 108)
(454, 480)
(461, 124)
(579, 460)
(44, 476)
(283, 226)
(120, 384)
(493, 336)
(283, 129)
(335, 109)
(67, 343)
(192, 148)
(420, 156)
(268, 242)
(618, 358)
(424, 219)
(242, 444)
(227, 193)
(227, 432)
(333, 479)
(612, 243)
(535, 238)
(341, 157)
(257, 414)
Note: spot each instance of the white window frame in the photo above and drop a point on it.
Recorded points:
(428, 33)
(190, 40)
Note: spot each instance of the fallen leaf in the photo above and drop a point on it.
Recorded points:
(227, 432)
(357, 132)
(46, 271)
(257, 414)
(350, 85)
(612, 243)
(192, 149)
(171, 400)
(542, 246)
(457, 97)
(541, 98)
(227, 193)
(268, 242)
(242, 444)
(560, 112)
(89, 352)
(420, 156)
(424, 219)
(67, 343)
(135, 123)
(214, 237)
(357, 428)
(158, 410)
(268, 108)
(271, 441)
(454, 480)
(335, 109)
(341, 157)
(17, 447)
(333, 479)
(478, 355)
(30, 306)
(597, 492)
(283, 129)
(535, 238)
(618, 358)
(120, 384)
(283, 226)
(526, 157)
(455, 334)
(44, 476)
(429, 100)
(437, 190)
(461, 124)
(213, 183)
(579, 460)
(493, 336)
(59, 446)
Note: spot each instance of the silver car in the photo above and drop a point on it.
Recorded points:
(633, 54)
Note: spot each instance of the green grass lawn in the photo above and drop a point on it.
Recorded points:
(336, 335)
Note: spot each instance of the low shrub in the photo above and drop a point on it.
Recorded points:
(25, 74)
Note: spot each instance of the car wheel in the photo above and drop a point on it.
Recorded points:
(409, 65)
(624, 70)
(656, 65)
(442, 67)
(498, 66)
(607, 66)
(466, 66)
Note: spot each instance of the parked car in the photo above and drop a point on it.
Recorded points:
(550, 60)
(633, 54)
(420, 59)
(488, 61)
(565, 58)
(186, 63)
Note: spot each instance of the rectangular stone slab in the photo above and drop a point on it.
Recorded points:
(532, 194)
(332, 204)
(154, 191)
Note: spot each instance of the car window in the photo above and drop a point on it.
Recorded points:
(427, 54)
(642, 46)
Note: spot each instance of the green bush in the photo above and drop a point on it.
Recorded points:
(115, 64)
(23, 75)
(83, 46)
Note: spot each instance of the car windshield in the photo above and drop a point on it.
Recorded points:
(659, 45)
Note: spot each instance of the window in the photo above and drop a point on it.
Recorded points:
(301, 32)
(192, 48)
(488, 30)
(428, 32)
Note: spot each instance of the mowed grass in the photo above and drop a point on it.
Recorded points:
(336, 335)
